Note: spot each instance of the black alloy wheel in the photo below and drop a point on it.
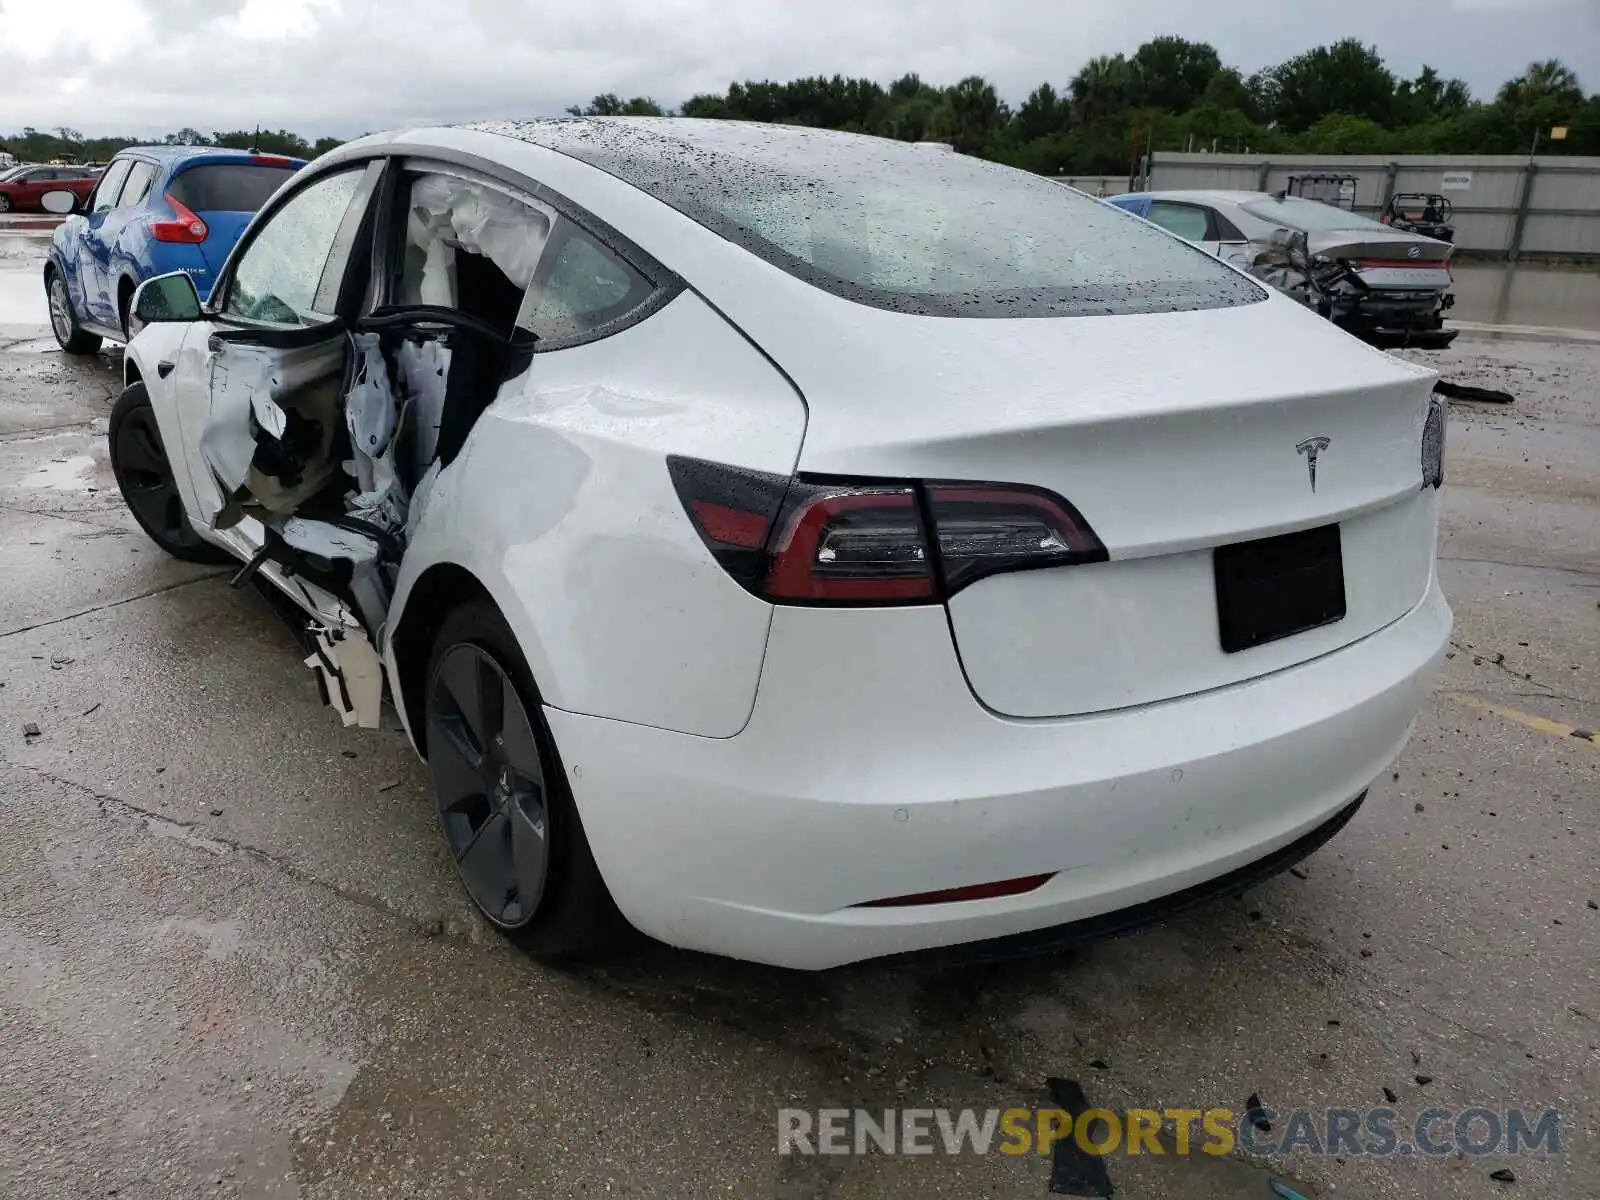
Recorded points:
(509, 818)
(144, 473)
(489, 779)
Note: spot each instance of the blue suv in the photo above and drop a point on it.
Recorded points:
(156, 209)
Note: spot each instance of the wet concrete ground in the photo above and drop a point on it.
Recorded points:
(234, 962)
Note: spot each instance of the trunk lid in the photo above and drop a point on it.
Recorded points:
(1387, 260)
(1172, 434)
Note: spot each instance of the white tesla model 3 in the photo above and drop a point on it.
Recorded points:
(798, 546)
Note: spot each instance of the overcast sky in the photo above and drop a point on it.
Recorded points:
(343, 67)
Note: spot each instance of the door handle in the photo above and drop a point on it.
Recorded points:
(164, 368)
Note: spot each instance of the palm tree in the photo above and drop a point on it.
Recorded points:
(1104, 86)
(976, 112)
(1551, 79)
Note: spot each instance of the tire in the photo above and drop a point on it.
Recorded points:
(5, 204)
(125, 291)
(70, 336)
(569, 913)
(144, 475)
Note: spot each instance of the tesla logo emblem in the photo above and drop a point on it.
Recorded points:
(1312, 448)
(1414, 252)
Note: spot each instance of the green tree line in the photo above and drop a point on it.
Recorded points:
(1170, 93)
(68, 145)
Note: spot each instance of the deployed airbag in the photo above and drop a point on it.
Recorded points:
(448, 213)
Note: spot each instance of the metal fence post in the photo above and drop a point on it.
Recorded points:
(1261, 179)
(1502, 304)
(1389, 173)
(1529, 173)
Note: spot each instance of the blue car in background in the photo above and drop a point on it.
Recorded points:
(156, 209)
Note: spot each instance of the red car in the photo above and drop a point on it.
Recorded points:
(21, 188)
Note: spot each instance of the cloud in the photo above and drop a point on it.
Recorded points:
(347, 66)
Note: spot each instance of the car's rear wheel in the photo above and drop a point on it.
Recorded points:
(508, 818)
(5, 204)
(144, 473)
(63, 321)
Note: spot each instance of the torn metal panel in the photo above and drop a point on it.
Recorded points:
(424, 368)
(373, 416)
(269, 438)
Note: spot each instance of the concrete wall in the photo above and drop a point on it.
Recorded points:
(1506, 206)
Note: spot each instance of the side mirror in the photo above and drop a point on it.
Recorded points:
(59, 202)
(166, 298)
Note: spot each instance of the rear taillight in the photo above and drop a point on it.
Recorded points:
(272, 160)
(988, 528)
(184, 226)
(863, 542)
(1433, 443)
(852, 544)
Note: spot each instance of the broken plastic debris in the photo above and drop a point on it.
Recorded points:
(30, 729)
(351, 676)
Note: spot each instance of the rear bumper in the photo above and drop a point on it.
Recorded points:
(868, 771)
(1127, 920)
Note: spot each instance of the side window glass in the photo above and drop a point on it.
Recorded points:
(468, 246)
(1226, 230)
(280, 276)
(138, 185)
(582, 285)
(1185, 220)
(105, 195)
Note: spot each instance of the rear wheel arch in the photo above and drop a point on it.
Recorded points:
(439, 590)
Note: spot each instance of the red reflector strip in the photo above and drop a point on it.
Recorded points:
(730, 526)
(978, 891)
(273, 160)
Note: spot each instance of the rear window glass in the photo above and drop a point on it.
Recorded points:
(237, 187)
(1309, 216)
(887, 224)
(1185, 220)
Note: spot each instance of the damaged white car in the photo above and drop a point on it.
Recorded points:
(1386, 285)
(797, 546)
